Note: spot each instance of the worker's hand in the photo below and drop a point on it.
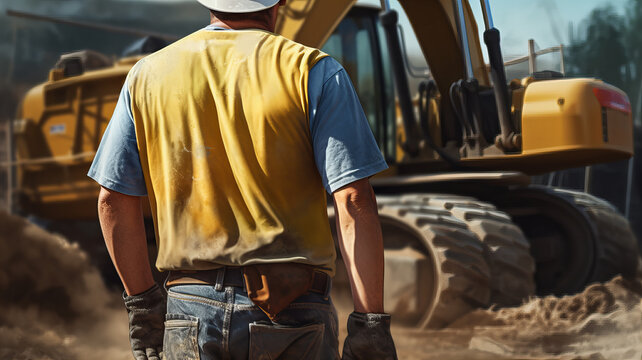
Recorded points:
(146, 323)
(369, 338)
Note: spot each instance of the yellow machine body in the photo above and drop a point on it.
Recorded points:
(566, 119)
(564, 124)
(60, 124)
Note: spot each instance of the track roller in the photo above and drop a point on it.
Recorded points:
(576, 238)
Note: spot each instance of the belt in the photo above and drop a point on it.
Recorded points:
(233, 276)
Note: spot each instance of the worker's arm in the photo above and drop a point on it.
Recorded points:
(361, 244)
(118, 170)
(121, 219)
(346, 155)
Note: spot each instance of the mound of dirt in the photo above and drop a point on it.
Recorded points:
(603, 322)
(54, 303)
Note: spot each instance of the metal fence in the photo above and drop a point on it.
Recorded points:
(529, 64)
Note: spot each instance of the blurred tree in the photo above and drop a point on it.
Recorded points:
(599, 49)
(609, 46)
(633, 43)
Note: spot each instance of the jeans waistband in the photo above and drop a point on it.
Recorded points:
(233, 276)
(219, 278)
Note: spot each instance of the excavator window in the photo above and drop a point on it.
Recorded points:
(357, 45)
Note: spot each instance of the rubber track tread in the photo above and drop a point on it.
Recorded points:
(506, 249)
(462, 275)
(618, 249)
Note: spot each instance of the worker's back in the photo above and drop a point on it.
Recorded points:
(223, 133)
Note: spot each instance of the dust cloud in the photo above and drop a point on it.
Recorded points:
(55, 306)
(603, 322)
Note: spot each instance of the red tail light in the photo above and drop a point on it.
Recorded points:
(612, 100)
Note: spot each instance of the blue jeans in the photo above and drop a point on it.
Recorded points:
(203, 323)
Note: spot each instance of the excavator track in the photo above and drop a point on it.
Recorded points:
(576, 238)
(454, 277)
(618, 250)
(506, 249)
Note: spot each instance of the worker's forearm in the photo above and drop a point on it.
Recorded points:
(121, 220)
(361, 246)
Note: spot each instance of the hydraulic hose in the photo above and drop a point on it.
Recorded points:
(498, 75)
(426, 88)
(389, 20)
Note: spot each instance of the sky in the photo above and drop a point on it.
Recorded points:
(546, 21)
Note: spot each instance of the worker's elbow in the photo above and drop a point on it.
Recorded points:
(105, 200)
(356, 197)
(109, 200)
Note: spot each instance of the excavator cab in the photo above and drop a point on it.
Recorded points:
(358, 44)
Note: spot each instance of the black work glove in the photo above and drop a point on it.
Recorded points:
(146, 323)
(369, 338)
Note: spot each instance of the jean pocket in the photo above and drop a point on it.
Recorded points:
(268, 342)
(180, 341)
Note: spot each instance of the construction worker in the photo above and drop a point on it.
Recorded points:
(233, 133)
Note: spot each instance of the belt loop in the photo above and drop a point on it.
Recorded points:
(166, 280)
(328, 287)
(220, 278)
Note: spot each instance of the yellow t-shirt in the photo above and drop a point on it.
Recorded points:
(222, 127)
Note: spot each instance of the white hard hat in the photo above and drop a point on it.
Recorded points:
(238, 6)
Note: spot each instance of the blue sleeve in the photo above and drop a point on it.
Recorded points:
(344, 148)
(116, 165)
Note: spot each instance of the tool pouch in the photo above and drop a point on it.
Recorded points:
(272, 287)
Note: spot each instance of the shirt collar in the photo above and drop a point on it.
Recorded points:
(212, 27)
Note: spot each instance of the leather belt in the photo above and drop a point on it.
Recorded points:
(225, 276)
(233, 276)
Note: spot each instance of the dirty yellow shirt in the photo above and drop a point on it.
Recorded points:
(222, 127)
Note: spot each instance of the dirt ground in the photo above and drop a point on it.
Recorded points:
(55, 307)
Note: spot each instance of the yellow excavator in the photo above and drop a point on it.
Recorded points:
(463, 227)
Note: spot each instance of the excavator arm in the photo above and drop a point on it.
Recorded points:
(311, 22)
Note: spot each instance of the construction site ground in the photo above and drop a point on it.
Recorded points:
(55, 306)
